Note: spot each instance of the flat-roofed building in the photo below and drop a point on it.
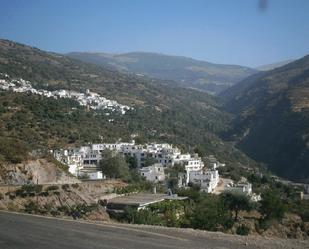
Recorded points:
(138, 201)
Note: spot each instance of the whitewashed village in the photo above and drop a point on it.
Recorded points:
(83, 162)
(90, 99)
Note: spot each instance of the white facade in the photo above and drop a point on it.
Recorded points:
(153, 173)
(244, 188)
(194, 164)
(207, 180)
(95, 175)
(240, 188)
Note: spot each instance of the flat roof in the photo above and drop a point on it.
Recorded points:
(140, 199)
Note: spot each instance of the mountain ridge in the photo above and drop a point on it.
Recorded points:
(274, 65)
(186, 71)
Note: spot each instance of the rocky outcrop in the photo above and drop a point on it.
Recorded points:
(36, 171)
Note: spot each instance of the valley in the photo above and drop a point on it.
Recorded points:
(154, 124)
(54, 118)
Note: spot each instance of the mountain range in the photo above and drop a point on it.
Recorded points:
(186, 72)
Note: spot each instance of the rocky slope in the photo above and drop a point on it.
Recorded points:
(272, 118)
(79, 200)
(36, 171)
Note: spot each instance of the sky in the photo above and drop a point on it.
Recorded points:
(243, 32)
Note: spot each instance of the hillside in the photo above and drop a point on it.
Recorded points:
(272, 123)
(272, 66)
(186, 72)
(184, 117)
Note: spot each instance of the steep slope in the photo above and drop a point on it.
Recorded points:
(187, 72)
(180, 116)
(272, 123)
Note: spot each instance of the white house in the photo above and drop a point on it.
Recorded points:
(96, 175)
(194, 164)
(153, 173)
(240, 188)
(207, 179)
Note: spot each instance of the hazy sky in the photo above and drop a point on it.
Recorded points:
(245, 32)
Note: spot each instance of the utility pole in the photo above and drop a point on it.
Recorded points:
(37, 194)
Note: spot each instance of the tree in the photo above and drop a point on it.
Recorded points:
(236, 203)
(200, 150)
(144, 216)
(210, 214)
(150, 161)
(272, 206)
(114, 165)
(131, 161)
(172, 183)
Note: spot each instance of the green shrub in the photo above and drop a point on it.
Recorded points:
(31, 208)
(305, 216)
(13, 150)
(264, 224)
(55, 213)
(65, 187)
(242, 230)
(44, 194)
(63, 209)
(52, 188)
(271, 205)
(30, 188)
(75, 185)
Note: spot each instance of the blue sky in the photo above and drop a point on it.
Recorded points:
(221, 31)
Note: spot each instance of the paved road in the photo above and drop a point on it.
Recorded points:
(18, 231)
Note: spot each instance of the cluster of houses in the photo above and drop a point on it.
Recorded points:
(83, 161)
(90, 99)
